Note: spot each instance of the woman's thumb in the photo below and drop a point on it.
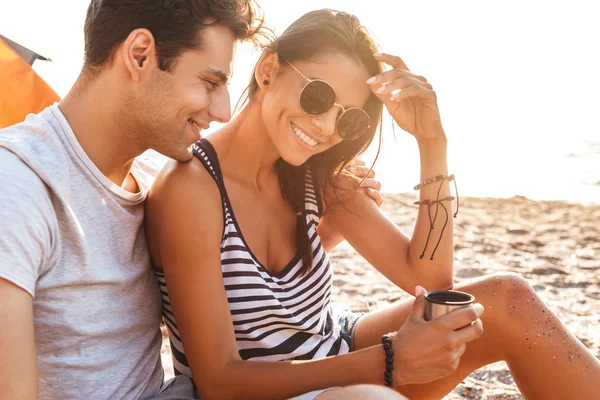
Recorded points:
(418, 310)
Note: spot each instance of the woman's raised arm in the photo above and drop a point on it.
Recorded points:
(427, 257)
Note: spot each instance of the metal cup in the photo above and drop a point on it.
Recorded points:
(442, 302)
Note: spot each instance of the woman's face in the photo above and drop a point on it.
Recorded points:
(296, 135)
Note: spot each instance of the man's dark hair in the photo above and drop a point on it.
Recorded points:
(173, 23)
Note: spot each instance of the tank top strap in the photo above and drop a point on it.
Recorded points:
(312, 197)
(206, 153)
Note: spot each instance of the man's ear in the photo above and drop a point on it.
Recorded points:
(266, 69)
(139, 53)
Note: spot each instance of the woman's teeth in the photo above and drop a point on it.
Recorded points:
(304, 137)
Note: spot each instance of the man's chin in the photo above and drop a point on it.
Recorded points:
(178, 154)
(187, 155)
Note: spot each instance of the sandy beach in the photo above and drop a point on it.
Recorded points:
(554, 245)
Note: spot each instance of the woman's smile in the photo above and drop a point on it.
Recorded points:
(304, 137)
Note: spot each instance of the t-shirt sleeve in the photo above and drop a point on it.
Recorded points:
(28, 223)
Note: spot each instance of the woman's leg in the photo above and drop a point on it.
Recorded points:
(362, 392)
(546, 360)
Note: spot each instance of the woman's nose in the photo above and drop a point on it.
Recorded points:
(327, 121)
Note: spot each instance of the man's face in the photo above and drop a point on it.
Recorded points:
(178, 105)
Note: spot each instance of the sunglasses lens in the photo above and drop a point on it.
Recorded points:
(353, 123)
(317, 97)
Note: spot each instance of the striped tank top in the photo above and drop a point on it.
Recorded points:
(283, 316)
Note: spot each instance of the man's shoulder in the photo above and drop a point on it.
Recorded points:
(33, 149)
(34, 131)
(15, 173)
(24, 193)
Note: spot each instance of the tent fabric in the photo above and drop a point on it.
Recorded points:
(26, 54)
(22, 90)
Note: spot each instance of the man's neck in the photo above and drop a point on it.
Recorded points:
(93, 110)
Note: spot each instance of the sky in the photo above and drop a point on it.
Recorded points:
(517, 82)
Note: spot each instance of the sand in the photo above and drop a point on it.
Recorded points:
(554, 245)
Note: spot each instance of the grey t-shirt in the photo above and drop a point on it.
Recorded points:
(75, 241)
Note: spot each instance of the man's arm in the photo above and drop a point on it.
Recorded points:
(27, 228)
(18, 368)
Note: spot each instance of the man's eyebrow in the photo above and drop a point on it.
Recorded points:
(223, 77)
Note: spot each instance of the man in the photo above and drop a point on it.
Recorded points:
(80, 305)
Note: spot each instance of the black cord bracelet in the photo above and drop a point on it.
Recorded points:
(386, 340)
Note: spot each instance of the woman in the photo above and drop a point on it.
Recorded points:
(253, 200)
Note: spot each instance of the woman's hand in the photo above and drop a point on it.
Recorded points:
(409, 98)
(428, 350)
(366, 181)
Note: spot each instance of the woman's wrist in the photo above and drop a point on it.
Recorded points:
(433, 157)
(436, 145)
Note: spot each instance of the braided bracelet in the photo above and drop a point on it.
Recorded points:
(386, 340)
(434, 179)
(428, 202)
(437, 202)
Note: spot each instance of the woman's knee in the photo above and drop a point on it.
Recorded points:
(505, 293)
(367, 392)
(512, 286)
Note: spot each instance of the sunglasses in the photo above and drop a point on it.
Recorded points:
(317, 97)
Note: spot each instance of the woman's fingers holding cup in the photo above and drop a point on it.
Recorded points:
(454, 356)
(460, 318)
(460, 350)
(469, 332)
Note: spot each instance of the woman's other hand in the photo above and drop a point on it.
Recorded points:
(366, 180)
(363, 178)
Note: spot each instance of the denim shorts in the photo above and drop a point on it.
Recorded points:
(347, 321)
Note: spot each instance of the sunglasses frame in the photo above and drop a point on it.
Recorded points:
(344, 109)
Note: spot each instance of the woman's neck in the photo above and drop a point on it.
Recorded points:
(245, 148)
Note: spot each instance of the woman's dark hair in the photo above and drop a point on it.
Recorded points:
(317, 34)
(175, 25)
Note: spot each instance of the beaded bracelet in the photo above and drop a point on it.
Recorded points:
(434, 179)
(386, 340)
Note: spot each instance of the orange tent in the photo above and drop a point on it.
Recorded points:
(22, 90)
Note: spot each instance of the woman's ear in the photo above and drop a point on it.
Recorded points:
(266, 70)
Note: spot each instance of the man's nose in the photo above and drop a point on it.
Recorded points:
(220, 109)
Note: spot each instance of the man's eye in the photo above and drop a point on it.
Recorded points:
(213, 85)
